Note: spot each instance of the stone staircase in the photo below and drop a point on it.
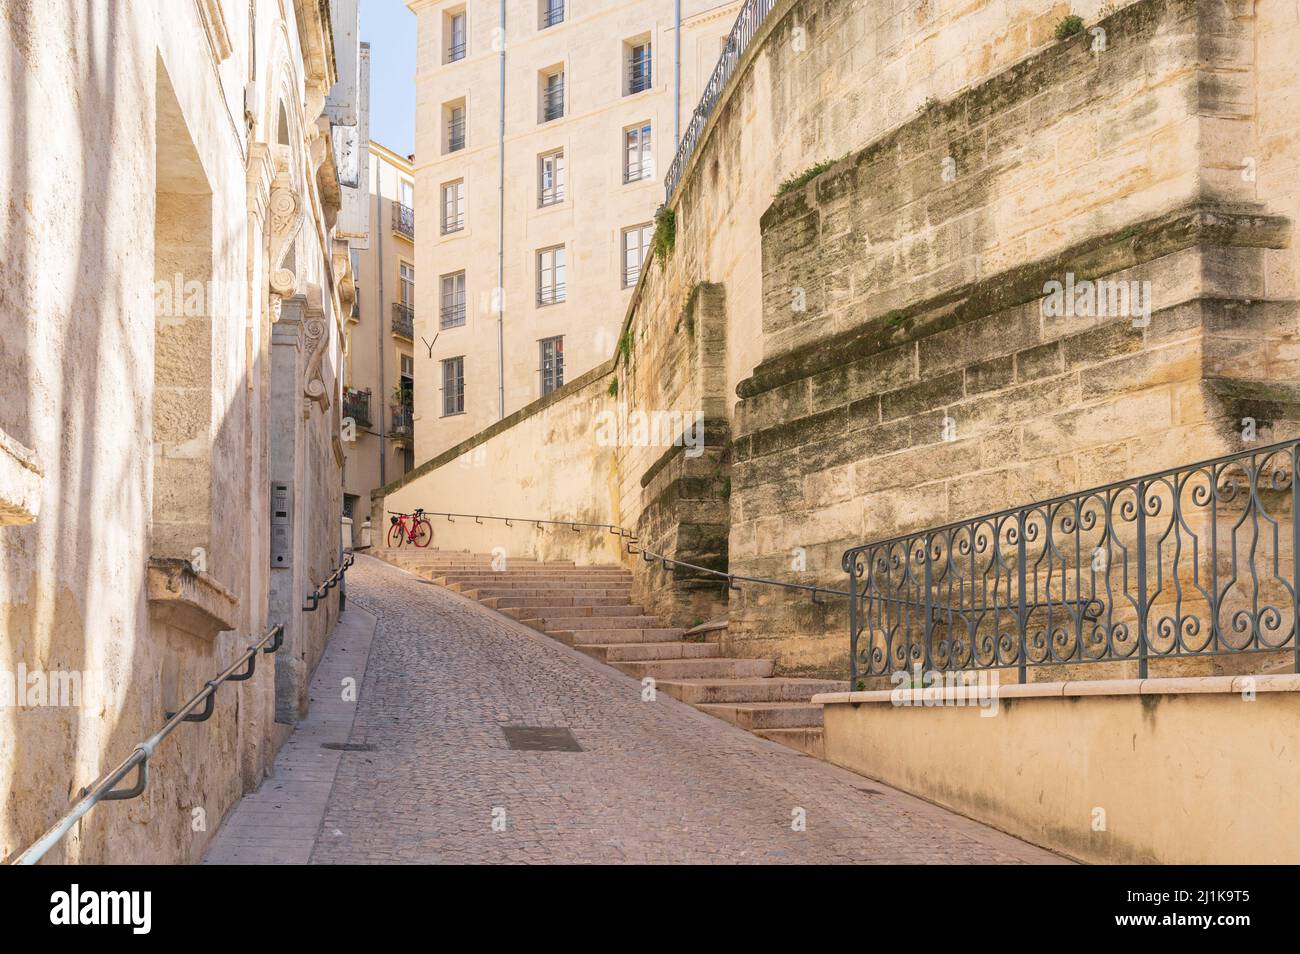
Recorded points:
(590, 608)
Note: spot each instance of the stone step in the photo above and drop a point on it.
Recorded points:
(595, 637)
(699, 691)
(807, 739)
(548, 623)
(766, 715)
(640, 652)
(524, 587)
(621, 592)
(548, 612)
(718, 668)
(502, 603)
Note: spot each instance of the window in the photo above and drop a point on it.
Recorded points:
(452, 308)
(550, 13)
(453, 386)
(406, 288)
(408, 366)
(453, 206)
(550, 275)
(638, 158)
(552, 91)
(637, 62)
(454, 123)
(636, 242)
(552, 366)
(406, 193)
(454, 31)
(550, 178)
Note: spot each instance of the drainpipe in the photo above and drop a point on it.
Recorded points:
(376, 235)
(501, 228)
(677, 74)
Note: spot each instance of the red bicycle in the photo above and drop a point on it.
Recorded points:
(412, 528)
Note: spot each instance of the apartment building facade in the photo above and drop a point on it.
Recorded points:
(542, 143)
(380, 367)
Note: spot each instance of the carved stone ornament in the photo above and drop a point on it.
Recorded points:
(286, 210)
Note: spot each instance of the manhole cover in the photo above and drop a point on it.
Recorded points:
(536, 738)
(348, 746)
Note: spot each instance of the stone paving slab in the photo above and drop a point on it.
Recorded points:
(656, 781)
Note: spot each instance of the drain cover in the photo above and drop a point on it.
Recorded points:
(348, 746)
(536, 738)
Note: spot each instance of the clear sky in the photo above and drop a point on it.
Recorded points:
(389, 28)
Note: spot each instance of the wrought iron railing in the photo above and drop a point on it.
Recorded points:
(639, 74)
(456, 52)
(404, 220)
(1196, 561)
(553, 14)
(551, 294)
(749, 19)
(404, 320)
(553, 102)
(356, 405)
(636, 171)
(452, 221)
(456, 135)
(452, 312)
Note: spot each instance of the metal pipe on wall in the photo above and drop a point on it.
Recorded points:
(500, 296)
(377, 237)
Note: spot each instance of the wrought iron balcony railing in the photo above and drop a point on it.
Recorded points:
(1196, 561)
(356, 405)
(751, 16)
(639, 75)
(404, 220)
(551, 294)
(403, 320)
(401, 421)
(456, 51)
(553, 102)
(553, 14)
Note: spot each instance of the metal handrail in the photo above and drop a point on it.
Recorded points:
(315, 596)
(751, 16)
(105, 787)
(649, 556)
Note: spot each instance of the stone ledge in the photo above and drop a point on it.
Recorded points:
(1276, 682)
(20, 483)
(189, 600)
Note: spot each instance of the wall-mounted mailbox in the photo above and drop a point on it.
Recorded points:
(281, 524)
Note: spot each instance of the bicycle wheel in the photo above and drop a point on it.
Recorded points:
(423, 533)
(396, 535)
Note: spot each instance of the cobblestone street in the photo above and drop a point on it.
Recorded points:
(429, 775)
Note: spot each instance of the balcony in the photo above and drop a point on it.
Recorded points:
(356, 405)
(404, 320)
(402, 430)
(404, 221)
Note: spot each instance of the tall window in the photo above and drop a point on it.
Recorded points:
(552, 95)
(551, 12)
(552, 365)
(638, 158)
(550, 275)
(452, 310)
(636, 242)
(406, 193)
(455, 24)
(453, 386)
(453, 206)
(455, 121)
(638, 67)
(406, 288)
(550, 178)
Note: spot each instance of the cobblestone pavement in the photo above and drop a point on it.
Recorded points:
(655, 781)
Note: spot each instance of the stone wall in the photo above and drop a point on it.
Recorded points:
(914, 374)
(145, 569)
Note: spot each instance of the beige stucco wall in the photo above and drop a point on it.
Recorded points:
(1173, 771)
(82, 166)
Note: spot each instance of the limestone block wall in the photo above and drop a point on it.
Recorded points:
(923, 381)
(150, 425)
